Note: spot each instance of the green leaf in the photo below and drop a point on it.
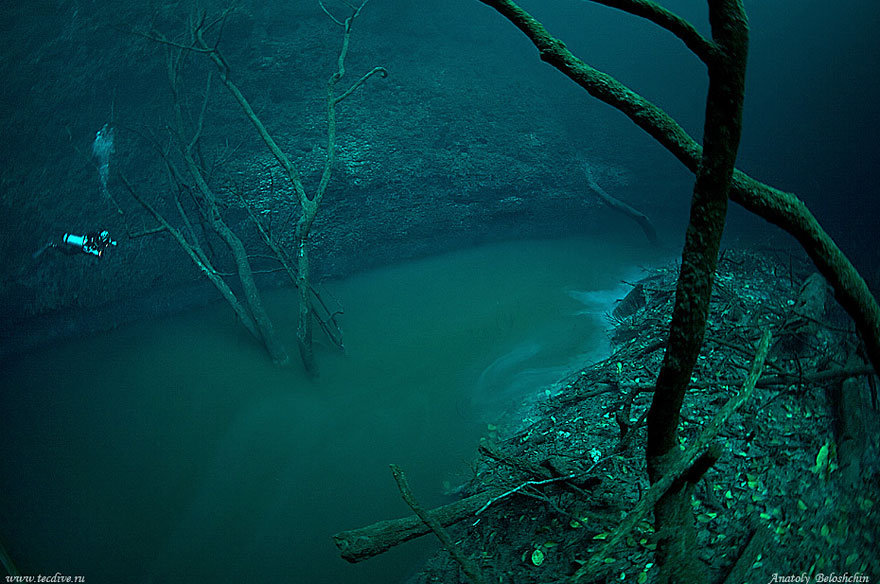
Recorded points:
(822, 458)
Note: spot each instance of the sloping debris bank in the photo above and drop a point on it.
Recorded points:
(795, 490)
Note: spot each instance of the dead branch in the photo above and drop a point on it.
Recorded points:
(363, 543)
(211, 209)
(623, 208)
(199, 259)
(327, 322)
(249, 307)
(837, 374)
(382, 71)
(520, 487)
(471, 570)
(522, 465)
(145, 232)
(308, 205)
(624, 407)
(704, 48)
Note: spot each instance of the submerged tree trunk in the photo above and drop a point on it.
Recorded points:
(309, 206)
(251, 312)
(252, 294)
(305, 324)
(673, 515)
(261, 320)
(198, 257)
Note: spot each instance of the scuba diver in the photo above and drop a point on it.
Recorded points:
(91, 243)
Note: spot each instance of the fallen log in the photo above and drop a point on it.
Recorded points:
(365, 542)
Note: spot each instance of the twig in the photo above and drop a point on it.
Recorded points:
(375, 70)
(329, 14)
(490, 449)
(523, 486)
(818, 377)
(625, 440)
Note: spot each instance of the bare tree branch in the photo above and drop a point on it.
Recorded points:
(613, 202)
(702, 47)
(308, 205)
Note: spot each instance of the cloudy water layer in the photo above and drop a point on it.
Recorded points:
(173, 450)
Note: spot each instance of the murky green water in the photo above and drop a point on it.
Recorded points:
(173, 450)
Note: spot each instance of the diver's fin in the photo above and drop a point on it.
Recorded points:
(40, 251)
